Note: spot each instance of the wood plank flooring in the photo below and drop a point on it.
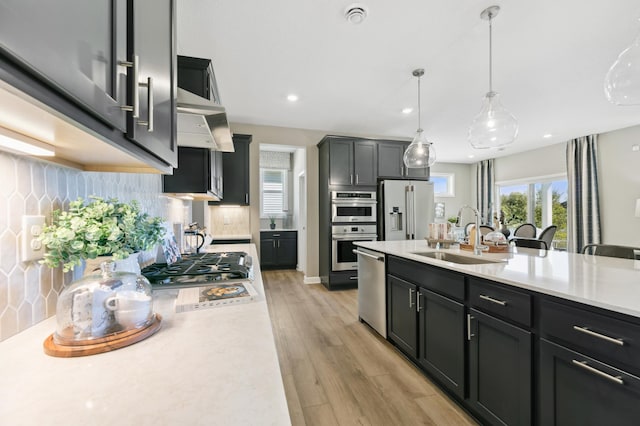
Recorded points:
(337, 371)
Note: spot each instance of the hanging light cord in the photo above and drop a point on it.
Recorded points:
(490, 53)
(419, 109)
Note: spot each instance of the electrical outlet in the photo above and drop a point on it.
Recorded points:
(31, 247)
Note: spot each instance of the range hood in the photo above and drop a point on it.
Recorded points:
(202, 123)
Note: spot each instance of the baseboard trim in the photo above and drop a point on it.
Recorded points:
(311, 280)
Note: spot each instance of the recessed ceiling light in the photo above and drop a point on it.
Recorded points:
(292, 98)
(470, 156)
(547, 135)
(407, 110)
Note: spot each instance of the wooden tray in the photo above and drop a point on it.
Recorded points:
(106, 344)
(503, 248)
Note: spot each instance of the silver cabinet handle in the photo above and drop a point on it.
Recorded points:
(149, 121)
(246, 198)
(418, 307)
(276, 235)
(357, 180)
(585, 330)
(350, 179)
(273, 243)
(135, 108)
(584, 365)
(354, 277)
(492, 300)
(411, 298)
(469, 335)
(378, 258)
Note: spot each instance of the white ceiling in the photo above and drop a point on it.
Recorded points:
(550, 58)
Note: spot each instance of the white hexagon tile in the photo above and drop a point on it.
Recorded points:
(28, 290)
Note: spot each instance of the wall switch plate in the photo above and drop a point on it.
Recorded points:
(31, 247)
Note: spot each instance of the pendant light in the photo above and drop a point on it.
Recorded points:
(494, 126)
(420, 153)
(622, 82)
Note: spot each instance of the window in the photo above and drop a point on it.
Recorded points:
(443, 184)
(542, 202)
(273, 192)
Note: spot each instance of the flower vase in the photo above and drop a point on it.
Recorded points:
(130, 264)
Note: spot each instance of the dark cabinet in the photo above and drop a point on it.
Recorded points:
(151, 43)
(74, 45)
(108, 65)
(499, 370)
(278, 249)
(197, 173)
(352, 162)
(235, 173)
(441, 336)
(391, 163)
(401, 315)
(579, 390)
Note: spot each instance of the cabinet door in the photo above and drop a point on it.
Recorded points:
(235, 172)
(578, 390)
(499, 370)
(193, 173)
(267, 252)
(390, 159)
(75, 46)
(441, 336)
(287, 252)
(152, 40)
(341, 162)
(365, 163)
(401, 315)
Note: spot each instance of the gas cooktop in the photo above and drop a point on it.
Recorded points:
(200, 269)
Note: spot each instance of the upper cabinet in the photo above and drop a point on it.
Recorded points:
(198, 175)
(352, 162)
(107, 67)
(76, 46)
(151, 44)
(235, 171)
(391, 163)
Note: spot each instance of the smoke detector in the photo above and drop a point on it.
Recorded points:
(355, 13)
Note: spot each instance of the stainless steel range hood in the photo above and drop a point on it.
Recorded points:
(202, 123)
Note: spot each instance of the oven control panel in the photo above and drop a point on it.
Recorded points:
(353, 229)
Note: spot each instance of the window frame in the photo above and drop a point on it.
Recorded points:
(285, 193)
(451, 184)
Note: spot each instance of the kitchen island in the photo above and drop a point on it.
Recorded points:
(214, 366)
(524, 338)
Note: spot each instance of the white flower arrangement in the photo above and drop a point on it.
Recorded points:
(101, 227)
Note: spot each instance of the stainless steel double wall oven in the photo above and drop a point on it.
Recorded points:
(353, 218)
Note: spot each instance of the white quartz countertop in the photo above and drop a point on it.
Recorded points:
(215, 366)
(605, 282)
(232, 237)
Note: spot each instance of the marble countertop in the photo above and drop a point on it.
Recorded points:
(605, 282)
(215, 366)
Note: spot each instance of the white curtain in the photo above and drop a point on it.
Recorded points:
(583, 201)
(485, 190)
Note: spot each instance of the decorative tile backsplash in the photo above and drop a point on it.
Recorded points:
(230, 220)
(29, 291)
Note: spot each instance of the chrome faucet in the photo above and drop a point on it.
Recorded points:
(477, 246)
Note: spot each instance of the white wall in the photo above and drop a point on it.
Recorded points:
(464, 188)
(546, 161)
(619, 182)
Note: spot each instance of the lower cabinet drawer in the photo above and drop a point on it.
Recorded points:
(441, 281)
(495, 299)
(611, 339)
(578, 390)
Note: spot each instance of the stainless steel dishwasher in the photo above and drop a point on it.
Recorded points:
(372, 289)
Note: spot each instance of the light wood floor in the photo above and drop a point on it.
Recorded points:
(337, 371)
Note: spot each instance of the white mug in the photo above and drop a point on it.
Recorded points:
(131, 308)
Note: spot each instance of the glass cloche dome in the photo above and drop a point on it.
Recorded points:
(103, 305)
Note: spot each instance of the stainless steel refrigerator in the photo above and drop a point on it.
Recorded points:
(406, 209)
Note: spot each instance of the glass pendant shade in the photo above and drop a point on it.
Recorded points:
(494, 126)
(420, 153)
(622, 82)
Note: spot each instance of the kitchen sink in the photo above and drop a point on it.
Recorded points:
(455, 258)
